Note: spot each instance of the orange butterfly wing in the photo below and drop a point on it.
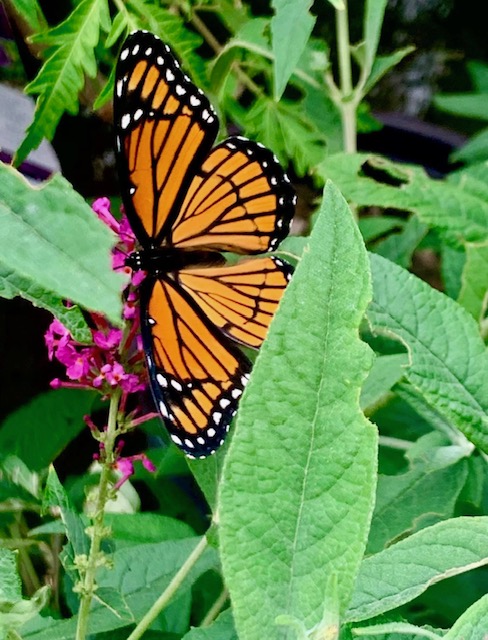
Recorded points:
(184, 199)
(197, 374)
(240, 200)
(165, 127)
(240, 299)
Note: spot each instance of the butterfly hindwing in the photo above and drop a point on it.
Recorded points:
(240, 200)
(240, 299)
(197, 374)
(165, 127)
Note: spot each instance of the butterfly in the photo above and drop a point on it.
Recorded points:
(188, 201)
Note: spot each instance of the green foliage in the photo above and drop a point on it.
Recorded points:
(69, 55)
(290, 515)
(75, 255)
(329, 465)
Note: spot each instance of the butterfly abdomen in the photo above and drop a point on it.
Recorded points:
(162, 260)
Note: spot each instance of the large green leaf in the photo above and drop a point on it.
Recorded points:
(69, 55)
(291, 27)
(449, 361)
(405, 570)
(39, 430)
(298, 481)
(52, 241)
(221, 629)
(457, 207)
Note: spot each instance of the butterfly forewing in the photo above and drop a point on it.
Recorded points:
(197, 374)
(240, 200)
(165, 127)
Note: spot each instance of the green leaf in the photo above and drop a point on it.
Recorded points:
(170, 28)
(405, 570)
(70, 54)
(12, 284)
(284, 128)
(14, 614)
(41, 429)
(78, 543)
(467, 105)
(298, 481)
(291, 27)
(449, 367)
(31, 12)
(52, 244)
(472, 624)
(399, 247)
(145, 527)
(478, 72)
(456, 207)
(383, 64)
(475, 150)
(372, 227)
(221, 629)
(139, 573)
(410, 501)
(373, 20)
(452, 266)
(10, 584)
(386, 371)
(474, 289)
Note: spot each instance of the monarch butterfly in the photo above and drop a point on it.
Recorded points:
(187, 202)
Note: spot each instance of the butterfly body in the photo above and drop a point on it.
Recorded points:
(187, 202)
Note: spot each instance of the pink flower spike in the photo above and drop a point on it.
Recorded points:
(79, 368)
(56, 383)
(101, 207)
(90, 424)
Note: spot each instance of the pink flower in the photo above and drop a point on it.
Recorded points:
(101, 206)
(126, 467)
(107, 340)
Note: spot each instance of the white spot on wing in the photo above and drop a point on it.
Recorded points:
(236, 393)
(211, 432)
(148, 51)
(200, 440)
(170, 76)
(189, 443)
(180, 90)
(124, 54)
(120, 84)
(135, 50)
(194, 101)
(163, 409)
(217, 417)
(125, 121)
(160, 60)
(176, 385)
(176, 439)
(161, 380)
(138, 114)
(225, 402)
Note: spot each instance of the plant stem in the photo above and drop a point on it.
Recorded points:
(348, 104)
(216, 608)
(169, 592)
(97, 530)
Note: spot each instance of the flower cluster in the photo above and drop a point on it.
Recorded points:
(114, 358)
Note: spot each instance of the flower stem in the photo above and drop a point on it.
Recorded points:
(348, 103)
(215, 609)
(169, 592)
(88, 585)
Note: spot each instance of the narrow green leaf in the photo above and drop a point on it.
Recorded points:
(373, 20)
(78, 543)
(38, 431)
(467, 105)
(405, 570)
(472, 624)
(449, 367)
(456, 207)
(383, 64)
(70, 55)
(52, 241)
(452, 266)
(298, 481)
(474, 289)
(291, 27)
(10, 584)
(31, 12)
